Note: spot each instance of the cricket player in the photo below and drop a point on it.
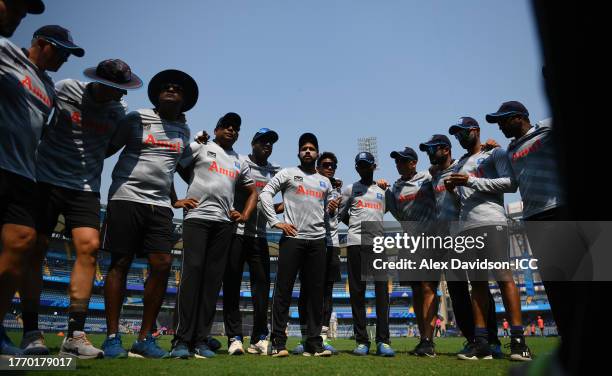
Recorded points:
(214, 172)
(139, 212)
(306, 195)
(27, 97)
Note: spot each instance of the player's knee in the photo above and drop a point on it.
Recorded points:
(160, 263)
(22, 239)
(87, 250)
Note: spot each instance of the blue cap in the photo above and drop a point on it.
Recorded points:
(365, 157)
(407, 154)
(60, 36)
(465, 122)
(436, 139)
(511, 108)
(265, 133)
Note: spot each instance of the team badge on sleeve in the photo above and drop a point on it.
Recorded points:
(322, 184)
(237, 165)
(379, 196)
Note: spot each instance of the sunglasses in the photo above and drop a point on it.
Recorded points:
(432, 149)
(175, 87)
(236, 128)
(464, 133)
(59, 50)
(329, 165)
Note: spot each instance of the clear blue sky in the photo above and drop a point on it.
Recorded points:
(399, 70)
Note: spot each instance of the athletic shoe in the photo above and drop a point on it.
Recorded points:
(299, 349)
(180, 351)
(327, 346)
(33, 343)
(202, 351)
(384, 350)
(519, 350)
(235, 346)
(425, 348)
(113, 348)
(416, 348)
(279, 352)
(261, 347)
(496, 351)
(478, 349)
(324, 353)
(213, 343)
(80, 347)
(361, 349)
(147, 348)
(7, 348)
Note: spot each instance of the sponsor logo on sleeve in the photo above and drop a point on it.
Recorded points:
(211, 154)
(298, 178)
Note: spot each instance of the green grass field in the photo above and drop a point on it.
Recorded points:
(344, 364)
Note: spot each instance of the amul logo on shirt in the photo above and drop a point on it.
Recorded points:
(38, 92)
(214, 167)
(309, 192)
(369, 205)
(151, 140)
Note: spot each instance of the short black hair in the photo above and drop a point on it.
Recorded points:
(327, 155)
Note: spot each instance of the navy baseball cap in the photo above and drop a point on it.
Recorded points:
(407, 154)
(436, 139)
(465, 122)
(308, 137)
(508, 109)
(115, 73)
(61, 37)
(365, 156)
(35, 6)
(231, 118)
(265, 133)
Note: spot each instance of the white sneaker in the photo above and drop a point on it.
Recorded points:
(235, 347)
(261, 347)
(80, 347)
(33, 343)
(324, 353)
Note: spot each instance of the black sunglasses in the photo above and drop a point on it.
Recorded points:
(329, 165)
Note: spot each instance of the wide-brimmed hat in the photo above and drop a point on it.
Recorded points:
(115, 73)
(173, 76)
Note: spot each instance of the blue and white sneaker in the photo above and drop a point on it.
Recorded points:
(113, 347)
(202, 351)
(299, 349)
(148, 348)
(261, 347)
(327, 346)
(213, 343)
(33, 343)
(361, 349)
(180, 351)
(383, 349)
(235, 346)
(497, 352)
(7, 348)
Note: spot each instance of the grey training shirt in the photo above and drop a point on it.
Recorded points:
(534, 164)
(413, 199)
(26, 100)
(256, 225)
(362, 203)
(482, 199)
(216, 174)
(145, 170)
(305, 197)
(72, 151)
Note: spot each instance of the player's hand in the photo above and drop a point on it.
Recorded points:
(202, 137)
(490, 144)
(187, 203)
(287, 228)
(459, 179)
(449, 185)
(337, 184)
(333, 205)
(382, 183)
(237, 216)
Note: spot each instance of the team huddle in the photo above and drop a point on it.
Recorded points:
(55, 137)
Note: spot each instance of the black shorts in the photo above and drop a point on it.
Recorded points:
(332, 271)
(18, 200)
(136, 228)
(79, 208)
